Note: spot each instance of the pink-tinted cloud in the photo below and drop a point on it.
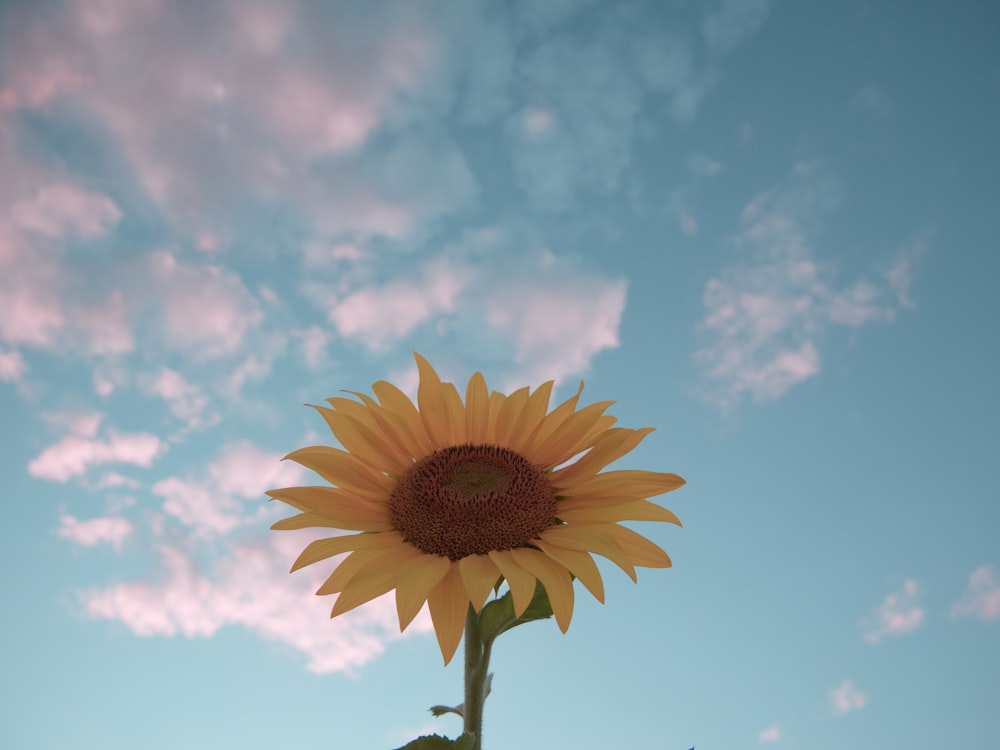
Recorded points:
(771, 734)
(381, 315)
(12, 366)
(94, 531)
(250, 588)
(188, 401)
(982, 597)
(846, 697)
(557, 329)
(106, 327)
(208, 120)
(898, 614)
(59, 210)
(74, 455)
(763, 316)
(202, 309)
(214, 504)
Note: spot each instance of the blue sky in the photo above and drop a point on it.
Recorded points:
(767, 229)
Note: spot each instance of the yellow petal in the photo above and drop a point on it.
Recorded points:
(394, 428)
(553, 421)
(344, 509)
(304, 521)
(364, 443)
(416, 581)
(374, 580)
(579, 564)
(455, 410)
(449, 604)
(530, 420)
(477, 409)
(567, 440)
(433, 405)
(341, 469)
(592, 538)
(628, 483)
(479, 574)
(354, 563)
(520, 581)
(321, 549)
(497, 400)
(611, 446)
(639, 549)
(395, 402)
(634, 510)
(554, 577)
(508, 415)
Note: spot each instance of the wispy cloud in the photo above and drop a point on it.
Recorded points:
(898, 614)
(982, 598)
(214, 504)
(74, 454)
(846, 697)
(250, 588)
(764, 316)
(91, 532)
(771, 734)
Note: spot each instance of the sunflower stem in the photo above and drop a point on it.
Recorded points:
(477, 663)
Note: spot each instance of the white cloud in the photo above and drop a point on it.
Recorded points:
(12, 366)
(74, 454)
(203, 309)
(898, 614)
(846, 697)
(557, 330)
(62, 209)
(188, 401)
(251, 588)
(214, 504)
(765, 315)
(982, 597)
(771, 734)
(381, 315)
(95, 531)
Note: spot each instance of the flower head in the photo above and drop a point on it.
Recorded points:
(450, 497)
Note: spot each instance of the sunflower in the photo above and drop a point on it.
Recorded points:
(450, 498)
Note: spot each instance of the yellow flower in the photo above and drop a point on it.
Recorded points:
(449, 497)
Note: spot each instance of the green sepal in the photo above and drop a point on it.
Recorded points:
(498, 615)
(437, 742)
(442, 710)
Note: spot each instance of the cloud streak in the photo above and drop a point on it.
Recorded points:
(765, 316)
(898, 614)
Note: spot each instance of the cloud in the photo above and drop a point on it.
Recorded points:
(188, 401)
(203, 309)
(73, 455)
(292, 84)
(95, 531)
(724, 28)
(380, 315)
(771, 734)
(556, 330)
(493, 295)
(764, 316)
(59, 210)
(250, 588)
(12, 366)
(982, 598)
(900, 613)
(846, 698)
(213, 504)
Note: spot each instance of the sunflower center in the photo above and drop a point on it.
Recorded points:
(470, 499)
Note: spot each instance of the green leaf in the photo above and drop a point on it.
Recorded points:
(442, 710)
(498, 615)
(437, 742)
